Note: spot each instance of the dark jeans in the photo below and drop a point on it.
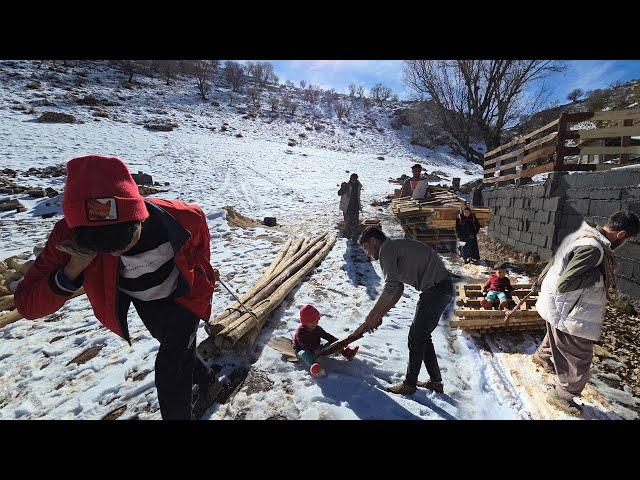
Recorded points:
(431, 305)
(177, 367)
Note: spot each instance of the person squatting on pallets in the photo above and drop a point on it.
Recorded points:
(467, 228)
(412, 262)
(351, 206)
(497, 288)
(124, 249)
(572, 300)
(306, 340)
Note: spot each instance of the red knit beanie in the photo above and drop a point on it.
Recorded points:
(100, 191)
(309, 314)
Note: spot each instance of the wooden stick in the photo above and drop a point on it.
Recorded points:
(7, 303)
(260, 291)
(279, 295)
(14, 315)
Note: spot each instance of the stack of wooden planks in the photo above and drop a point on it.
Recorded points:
(434, 220)
(471, 316)
(237, 328)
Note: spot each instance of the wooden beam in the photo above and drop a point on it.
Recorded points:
(518, 140)
(610, 132)
(617, 115)
(543, 152)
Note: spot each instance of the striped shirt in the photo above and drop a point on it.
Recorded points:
(147, 271)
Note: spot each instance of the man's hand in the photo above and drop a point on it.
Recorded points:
(79, 261)
(216, 275)
(372, 322)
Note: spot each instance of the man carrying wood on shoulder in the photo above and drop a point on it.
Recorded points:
(412, 262)
(124, 249)
(572, 300)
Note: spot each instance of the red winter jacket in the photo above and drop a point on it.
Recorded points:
(497, 284)
(189, 236)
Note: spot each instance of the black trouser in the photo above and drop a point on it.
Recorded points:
(431, 305)
(177, 366)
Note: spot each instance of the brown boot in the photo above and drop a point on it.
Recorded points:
(431, 385)
(567, 406)
(402, 388)
(546, 365)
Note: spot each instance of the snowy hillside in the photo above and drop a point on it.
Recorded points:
(68, 366)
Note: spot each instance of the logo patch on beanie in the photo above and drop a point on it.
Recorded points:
(101, 209)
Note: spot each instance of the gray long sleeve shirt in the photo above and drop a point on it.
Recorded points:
(404, 260)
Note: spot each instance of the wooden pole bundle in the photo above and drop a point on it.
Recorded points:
(237, 329)
(13, 315)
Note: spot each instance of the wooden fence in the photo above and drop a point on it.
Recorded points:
(559, 147)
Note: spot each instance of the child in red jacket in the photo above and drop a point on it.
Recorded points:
(126, 250)
(306, 340)
(496, 288)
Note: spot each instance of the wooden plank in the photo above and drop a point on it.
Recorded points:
(610, 132)
(577, 117)
(529, 172)
(542, 140)
(543, 152)
(617, 115)
(523, 138)
(574, 167)
(633, 150)
(515, 153)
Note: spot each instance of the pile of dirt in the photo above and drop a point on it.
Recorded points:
(493, 251)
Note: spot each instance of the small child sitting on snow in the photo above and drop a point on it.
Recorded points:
(306, 340)
(496, 288)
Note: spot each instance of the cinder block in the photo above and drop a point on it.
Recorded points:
(536, 203)
(525, 237)
(553, 204)
(545, 253)
(518, 213)
(542, 216)
(539, 240)
(518, 203)
(572, 221)
(626, 268)
(603, 208)
(611, 193)
(555, 217)
(629, 249)
(529, 215)
(629, 287)
(574, 193)
(576, 207)
(515, 234)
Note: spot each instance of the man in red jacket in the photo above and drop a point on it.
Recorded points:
(122, 250)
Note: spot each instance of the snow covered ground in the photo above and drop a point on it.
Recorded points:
(259, 175)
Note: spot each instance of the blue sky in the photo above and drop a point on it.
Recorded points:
(338, 74)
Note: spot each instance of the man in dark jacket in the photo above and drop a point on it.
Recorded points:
(122, 250)
(467, 228)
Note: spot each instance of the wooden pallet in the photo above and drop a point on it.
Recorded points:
(469, 315)
(368, 222)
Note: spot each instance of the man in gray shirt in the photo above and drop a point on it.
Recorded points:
(416, 264)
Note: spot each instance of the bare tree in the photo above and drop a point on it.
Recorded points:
(575, 94)
(394, 98)
(254, 95)
(483, 96)
(168, 69)
(303, 83)
(289, 84)
(352, 90)
(380, 93)
(204, 71)
(360, 91)
(273, 102)
(234, 75)
(341, 110)
(312, 93)
(130, 68)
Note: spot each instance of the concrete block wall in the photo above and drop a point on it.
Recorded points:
(524, 218)
(536, 218)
